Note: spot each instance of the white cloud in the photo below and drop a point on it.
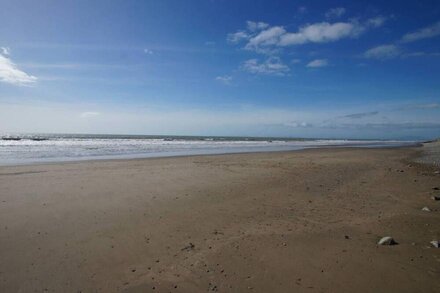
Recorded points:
(318, 63)
(10, 73)
(226, 79)
(320, 33)
(5, 51)
(424, 33)
(89, 114)
(272, 66)
(383, 52)
(254, 26)
(148, 51)
(266, 39)
(297, 124)
(335, 12)
(237, 37)
(377, 21)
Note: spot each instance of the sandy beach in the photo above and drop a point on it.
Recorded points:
(304, 221)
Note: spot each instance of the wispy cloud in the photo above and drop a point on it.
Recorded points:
(262, 38)
(383, 52)
(322, 32)
(422, 54)
(335, 12)
(302, 9)
(424, 33)
(427, 106)
(295, 124)
(375, 22)
(255, 26)
(318, 63)
(5, 51)
(226, 79)
(389, 51)
(348, 118)
(148, 51)
(325, 32)
(393, 125)
(360, 115)
(271, 66)
(89, 114)
(10, 73)
(266, 39)
(237, 37)
(78, 66)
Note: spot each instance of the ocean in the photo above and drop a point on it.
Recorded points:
(19, 149)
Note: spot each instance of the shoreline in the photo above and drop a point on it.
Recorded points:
(160, 156)
(303, 221)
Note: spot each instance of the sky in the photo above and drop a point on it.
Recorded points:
(314, 69)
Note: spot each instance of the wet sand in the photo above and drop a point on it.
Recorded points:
(305, 221)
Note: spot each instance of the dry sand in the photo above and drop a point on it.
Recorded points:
(305, 221)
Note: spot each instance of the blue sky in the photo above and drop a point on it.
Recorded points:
(352, 69)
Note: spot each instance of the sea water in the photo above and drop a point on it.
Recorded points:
(17, 149)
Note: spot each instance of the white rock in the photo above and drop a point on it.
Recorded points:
(387, 240)
(426, 209)
(435, 243)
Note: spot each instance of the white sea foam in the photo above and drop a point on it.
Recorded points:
(72, 148)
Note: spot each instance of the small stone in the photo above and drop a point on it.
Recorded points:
(387, 240)
(426, 209)
(190, 246)
(435, 243)
(435, 197)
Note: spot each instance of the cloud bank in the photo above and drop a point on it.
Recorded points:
(396, 121)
